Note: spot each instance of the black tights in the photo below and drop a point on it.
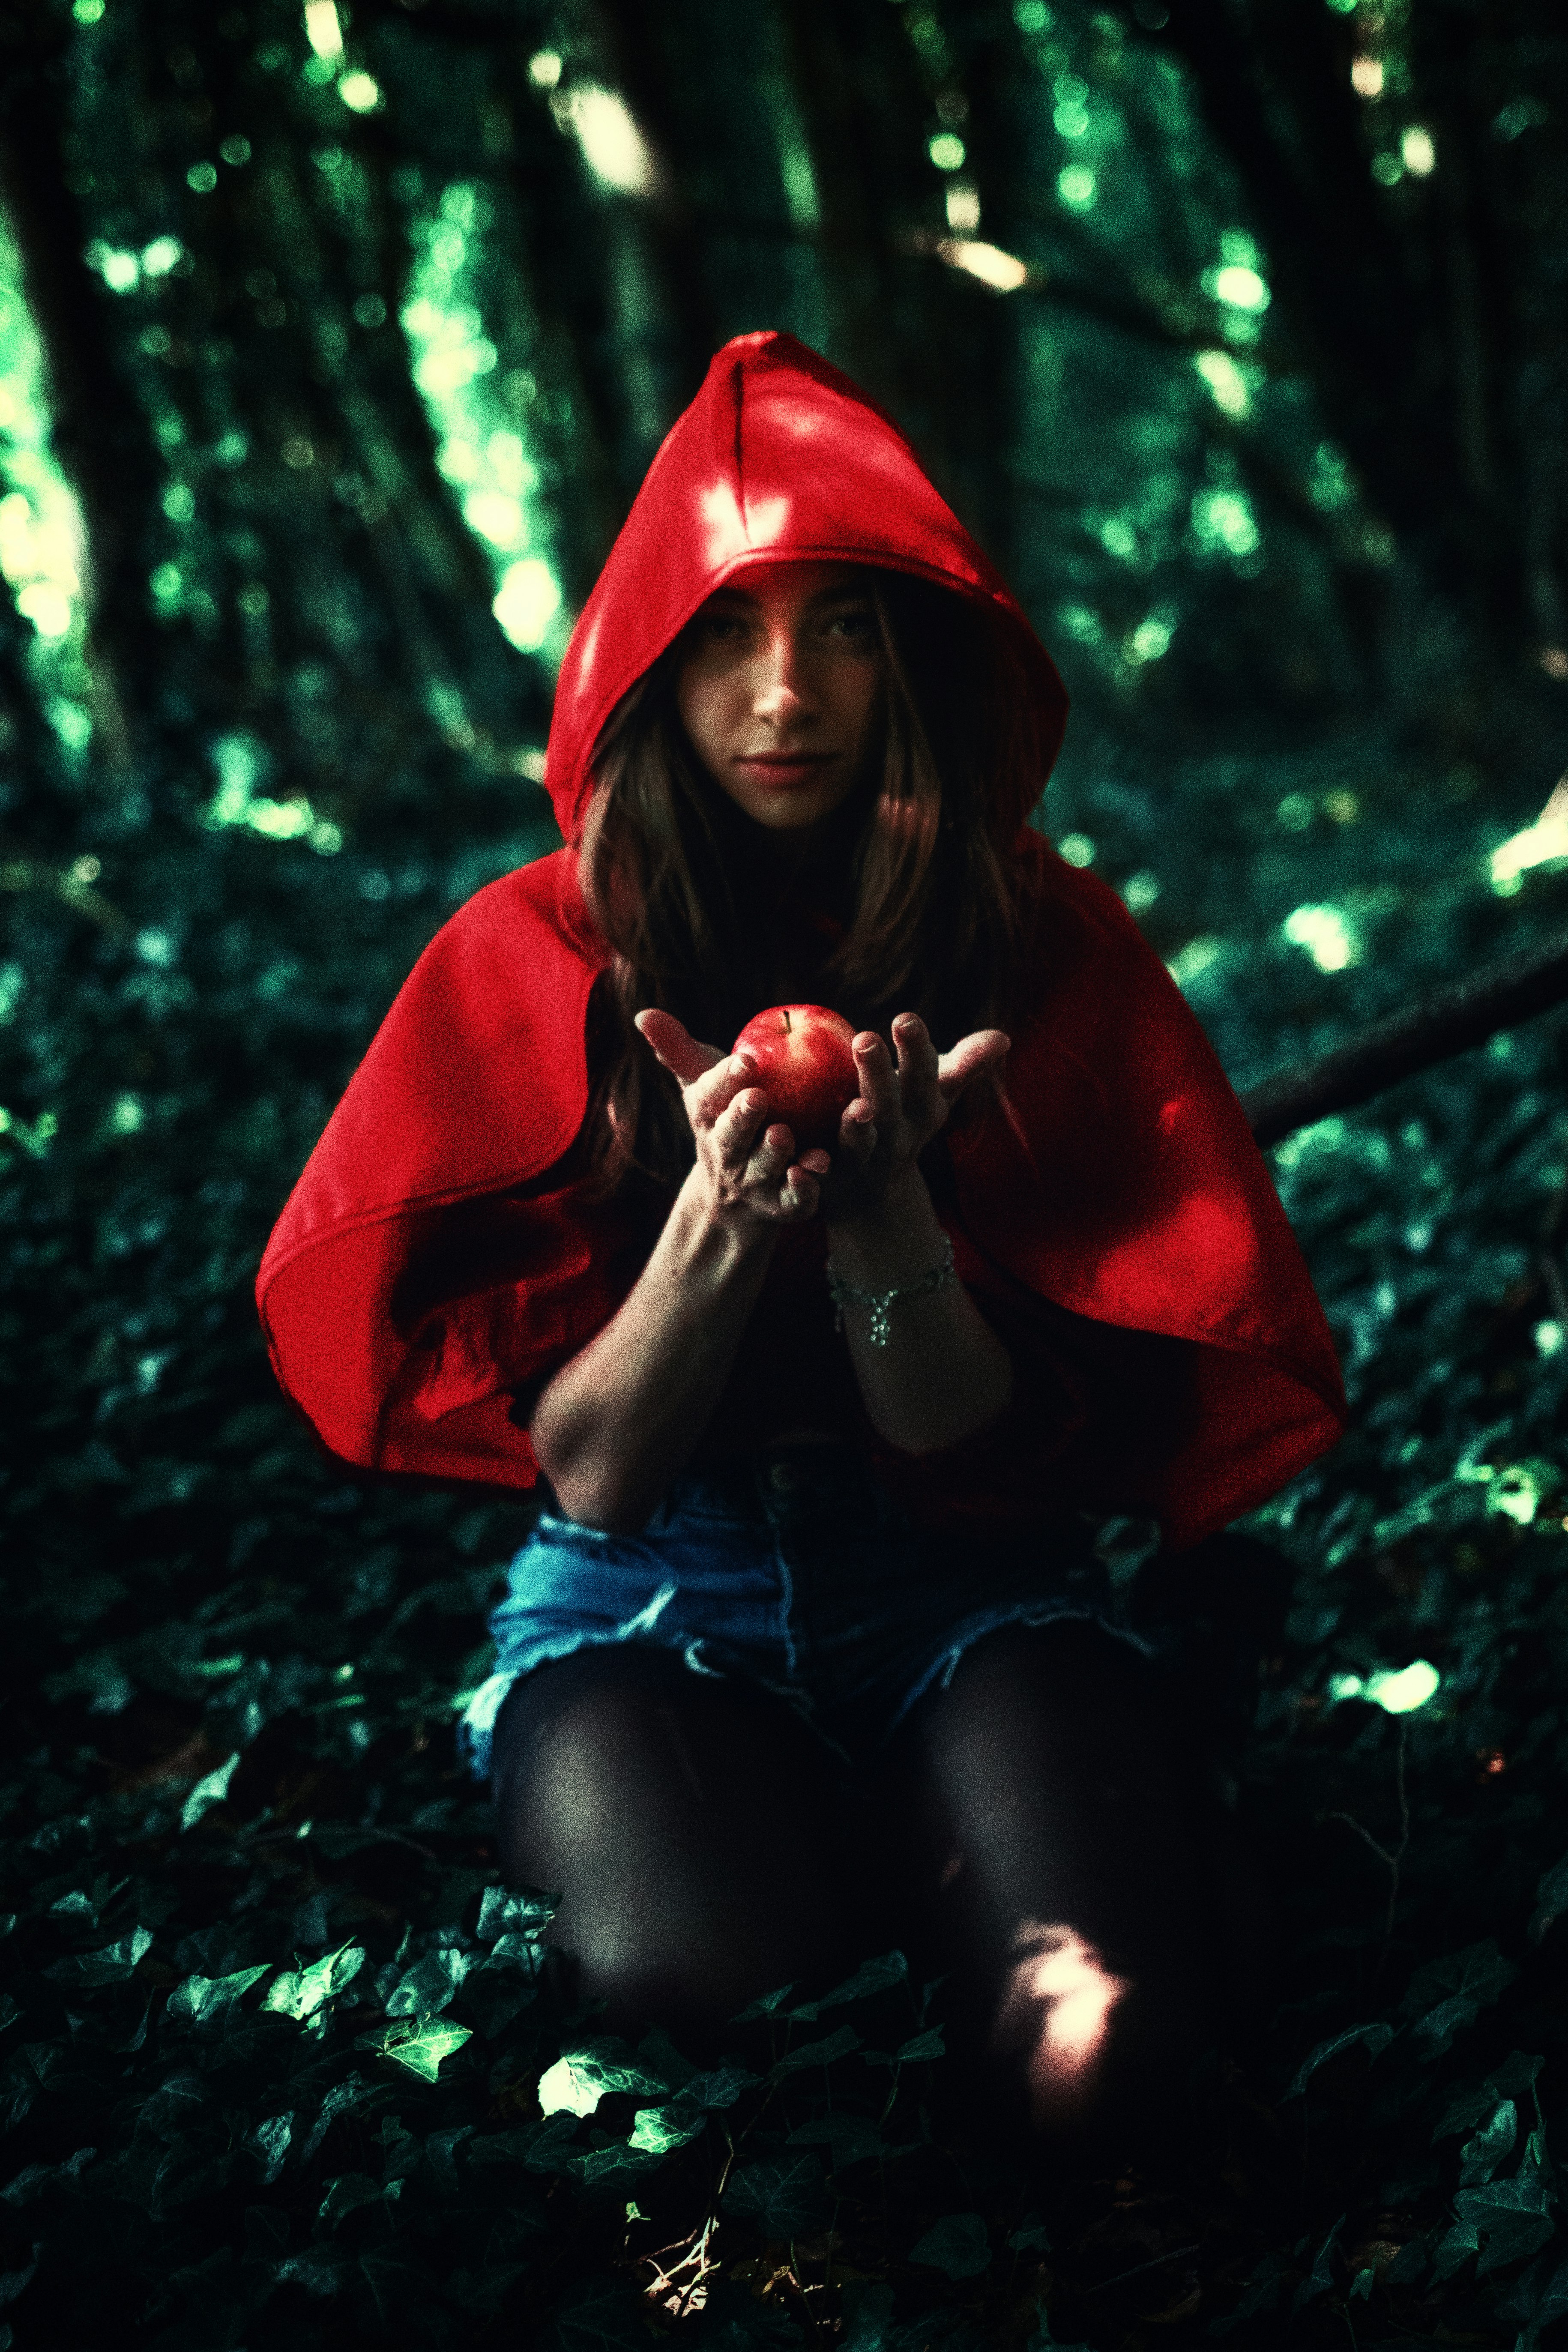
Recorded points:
(1033, 1834)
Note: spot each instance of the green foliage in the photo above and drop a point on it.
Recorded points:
(336, 343)
(274, 2032)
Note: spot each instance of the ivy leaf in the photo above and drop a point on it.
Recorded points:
(1450, 1993)
(352, 2092)
(13, 2283)
(269, 2142)
(209, 1792)
(1376, 2038)
(1408, 2263)
(199, 2000)
(720, 2088)
(493, 1994)
(922, 2048)
(580, 2078)
(1454, 2250)
(1512, 2080)
(1550, 1899)
(547, 2145)
(817, 2053)
(1479, 2158)
(428, 1986)
(522, 1911)
(958, 2244)
(1320, 2277)
(784, 2195)
(321, 2270)
(767, 2004)
(875, 1976)
(402, 2290)
(1513, 2218)
(300, 1992)
(349, 2192)
(417, 2043)
(110, 1966)
(35, 2178)
(1030, 2236)
(590, 2165)
(1536, 2299)
(867, 2316)
(482, 2292)
(659, 2129)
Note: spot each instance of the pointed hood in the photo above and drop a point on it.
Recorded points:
(779, 456)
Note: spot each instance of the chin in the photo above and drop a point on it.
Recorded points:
(793, 817)
(791, 811)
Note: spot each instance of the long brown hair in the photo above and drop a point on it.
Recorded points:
(934, 918)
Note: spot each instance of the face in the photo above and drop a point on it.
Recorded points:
(780, 689)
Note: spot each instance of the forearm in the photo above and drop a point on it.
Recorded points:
(617, 1423)
(943, 1372)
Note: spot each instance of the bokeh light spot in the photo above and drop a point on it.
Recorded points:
(1326, 934)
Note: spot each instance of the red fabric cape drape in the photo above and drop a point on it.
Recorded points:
(1124, 1186)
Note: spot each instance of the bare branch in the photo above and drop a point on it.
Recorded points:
(1449, 1021)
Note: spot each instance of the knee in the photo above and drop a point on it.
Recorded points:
(568, 1745)
(688, 1831)
(1079, 2045)
(1090, 2032)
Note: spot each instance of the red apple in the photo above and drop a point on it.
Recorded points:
(805, 1068)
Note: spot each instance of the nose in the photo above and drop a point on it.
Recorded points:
(783, 689)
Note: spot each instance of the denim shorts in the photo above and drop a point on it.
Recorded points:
(793, 1570)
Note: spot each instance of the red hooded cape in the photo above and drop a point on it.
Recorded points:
(1129, 1189)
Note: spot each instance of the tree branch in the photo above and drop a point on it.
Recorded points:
(1449, 1021)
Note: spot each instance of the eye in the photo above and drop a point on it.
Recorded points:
(856, 622)
(718, 628)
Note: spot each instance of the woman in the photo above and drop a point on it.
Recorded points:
(809, 1652)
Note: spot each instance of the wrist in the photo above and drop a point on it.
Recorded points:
(710, 1235)
(894, 1242)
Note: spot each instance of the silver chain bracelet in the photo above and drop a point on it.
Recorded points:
(875, 1303)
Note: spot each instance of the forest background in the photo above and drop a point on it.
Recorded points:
(333, 343)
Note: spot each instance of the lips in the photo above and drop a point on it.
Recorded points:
(785, 768)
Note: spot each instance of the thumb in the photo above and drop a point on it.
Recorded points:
(679, 1052)
(982, 1050)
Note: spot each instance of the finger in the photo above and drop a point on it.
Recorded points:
(798, 1199)
(816, 1163)
(917, 1062)
(858, 1132)
(712, 1094)
(771, 1155)
(982, 1050)
(735, 1130)
(676, 1048)
(879, 1079)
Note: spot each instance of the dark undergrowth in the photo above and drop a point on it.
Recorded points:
(280, 2064)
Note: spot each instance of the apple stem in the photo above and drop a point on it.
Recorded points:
(788, 1031)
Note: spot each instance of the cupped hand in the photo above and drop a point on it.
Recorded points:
(901, 1104)
(746, 1163)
